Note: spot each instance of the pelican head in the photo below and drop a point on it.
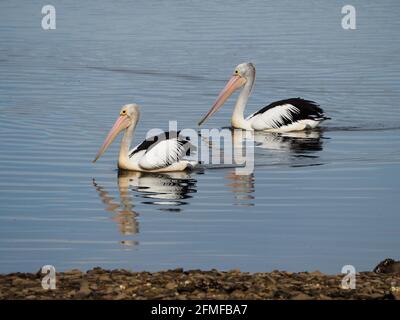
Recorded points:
(243, 73)
(129, 115)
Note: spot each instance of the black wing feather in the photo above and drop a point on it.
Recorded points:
(307, 110)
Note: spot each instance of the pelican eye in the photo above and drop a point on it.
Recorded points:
(123, 112)
(236, 72)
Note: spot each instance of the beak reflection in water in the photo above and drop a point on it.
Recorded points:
(166, 190)
(123, 212)
(242, 187)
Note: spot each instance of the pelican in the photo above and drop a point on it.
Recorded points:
(293, 114)
(162, 153)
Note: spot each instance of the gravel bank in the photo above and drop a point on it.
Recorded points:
(195, 284)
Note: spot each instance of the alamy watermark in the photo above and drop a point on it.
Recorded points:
(49, 19)
(349, 18)
(349, 280)
(49, 280)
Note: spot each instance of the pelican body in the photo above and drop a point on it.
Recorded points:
(161, 153)
(293, 114)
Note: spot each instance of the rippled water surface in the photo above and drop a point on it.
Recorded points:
(314, 201)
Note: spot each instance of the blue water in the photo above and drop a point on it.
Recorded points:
(313, 202)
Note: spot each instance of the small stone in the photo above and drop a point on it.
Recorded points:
(316, 273)
(375, 296)
(121, 296)
(73, 271)
(171, 285)
(269, 280)
(395, 293)
(234, 271)
(104, 278)
(84, 290)
(93, 286)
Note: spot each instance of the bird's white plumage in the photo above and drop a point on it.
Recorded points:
(163, 154)
(136, 156)
(280, 119)
(273, 118)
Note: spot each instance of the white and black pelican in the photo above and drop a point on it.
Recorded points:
(293, 114)
(162, 153)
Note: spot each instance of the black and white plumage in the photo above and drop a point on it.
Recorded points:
(162, 153)
(293, 114)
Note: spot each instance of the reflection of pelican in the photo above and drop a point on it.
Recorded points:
(291, 148)
(281, 116)
(162, 153)
(295, 142)
(125, 216)
(168, 189)
(159, 188)
(242, 186)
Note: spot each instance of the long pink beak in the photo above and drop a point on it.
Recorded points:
(122, 123)
(233, 84)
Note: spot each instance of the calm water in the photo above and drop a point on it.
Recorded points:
(313, 202)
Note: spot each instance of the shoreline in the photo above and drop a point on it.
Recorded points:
(180, 284)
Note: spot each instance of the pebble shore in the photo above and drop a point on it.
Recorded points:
(196, 284)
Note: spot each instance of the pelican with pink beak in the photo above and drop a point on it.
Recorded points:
(162, 153)
(293, 114)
